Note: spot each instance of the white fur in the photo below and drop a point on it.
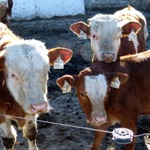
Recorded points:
(107, 33)
(96, 89)
(7, 130)
(27, 65)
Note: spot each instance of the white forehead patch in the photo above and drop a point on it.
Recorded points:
(105, 24)
(96, 89)
(26, 54)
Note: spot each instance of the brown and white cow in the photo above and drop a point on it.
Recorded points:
(112, 36)
(5, 10)
(113, 93)
(24, 66)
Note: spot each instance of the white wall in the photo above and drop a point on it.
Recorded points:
(29, 9)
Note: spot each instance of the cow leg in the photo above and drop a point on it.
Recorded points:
(30, 132)
(8, 134)
(98, 139)
(130, 124)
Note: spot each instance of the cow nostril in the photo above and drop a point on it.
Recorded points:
(33, 108)
(113, 56)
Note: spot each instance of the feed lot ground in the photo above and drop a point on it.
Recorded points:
(66, 109)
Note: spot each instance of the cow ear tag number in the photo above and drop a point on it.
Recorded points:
(132, 36)
(115, 83)
(122, 135)
(59, 64)
(82, 35)
(66, 88)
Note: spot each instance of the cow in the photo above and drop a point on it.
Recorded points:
(5, 11)
(114, 35)
(113, 93)
(24, 66)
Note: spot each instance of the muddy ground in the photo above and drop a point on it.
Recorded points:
(66, 109)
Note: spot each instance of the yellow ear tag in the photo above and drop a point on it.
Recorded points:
(115, 83)
(66, 88)
(132, 36)
(82, 35)
(59, 64)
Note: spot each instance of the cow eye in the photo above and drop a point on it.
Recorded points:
(94, 36)
(14, 76)
(82, 94)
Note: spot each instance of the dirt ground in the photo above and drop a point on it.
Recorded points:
(66, 109)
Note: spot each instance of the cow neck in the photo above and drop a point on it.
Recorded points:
(110, 100)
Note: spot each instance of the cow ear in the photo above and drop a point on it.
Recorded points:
(2, 60)
(70, 79)
(80, 26)
(3, 44)
(64, 53)
(117, 79)
(128, 26)
(123, 77)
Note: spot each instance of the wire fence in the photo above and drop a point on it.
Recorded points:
(68, 125)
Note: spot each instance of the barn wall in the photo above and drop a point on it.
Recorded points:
(28, 9)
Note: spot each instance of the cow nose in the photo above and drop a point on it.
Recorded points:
(108, 57)
(98, 120)
(39, 108)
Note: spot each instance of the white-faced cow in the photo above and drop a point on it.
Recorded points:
(112, 36)
(5, 10)
(113, 93)
(24, 66)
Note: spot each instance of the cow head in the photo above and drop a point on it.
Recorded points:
(26, 65)
(92, 92)
(134, 15)
(105, 33)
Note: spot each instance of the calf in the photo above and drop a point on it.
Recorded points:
(113, 93)
(5, 10)
(24, 66)
(112, 36)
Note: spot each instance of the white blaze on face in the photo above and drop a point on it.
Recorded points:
(27, 66)
(105, 35)
(96, 89)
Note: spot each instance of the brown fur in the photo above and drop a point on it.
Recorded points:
(8, 11)
(7, 104)
(124, 104)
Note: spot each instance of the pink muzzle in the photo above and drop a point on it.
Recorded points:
(39, 108)
(108, 57)
(98, 120)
